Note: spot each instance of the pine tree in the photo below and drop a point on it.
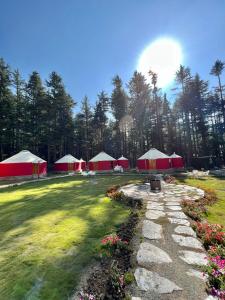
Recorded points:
(6, 110)
(61, 118)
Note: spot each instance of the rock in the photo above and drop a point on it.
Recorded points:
(179, 214)
(210, 297)
(148, 254)
(185, 230)
(179, 221)
(195, 273)
(193, 258)
(151, 281)
(187, 241)
(171, 203)
(155, 207)
(151, 230)
(175, 207)
(154, 214)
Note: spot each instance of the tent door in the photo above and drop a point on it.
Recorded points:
(70, 167)
(35, 170)
(95, 166)
(152, 164)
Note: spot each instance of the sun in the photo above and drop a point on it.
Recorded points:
(163, 56)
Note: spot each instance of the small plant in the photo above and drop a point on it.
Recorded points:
(86, 296)
(209, 198)
(194, 209)
(215, 271)
(128, 278)
(217, 250)
(118, 196)
(111, 245)
(210, 234)
(111, 190)
(116, 282)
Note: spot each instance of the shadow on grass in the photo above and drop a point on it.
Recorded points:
(24, 259)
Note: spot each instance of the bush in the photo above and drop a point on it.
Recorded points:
(129, 201)
(111, 190)
(194, 209)
(210, 234)
(128, 278)
(115, 283)
(217, 250)
(112, 245)
(216, 276)
(209, 198)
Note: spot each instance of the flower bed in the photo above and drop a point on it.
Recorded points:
(213, 239)
(109, 281)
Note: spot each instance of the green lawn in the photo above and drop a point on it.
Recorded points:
(49, 231)
(217, 211)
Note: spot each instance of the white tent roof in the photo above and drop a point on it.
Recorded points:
(174, 155)
(102, 156)
(24, 156)
(66, 159)
(153, 154)
(122, 158)
(81, 160)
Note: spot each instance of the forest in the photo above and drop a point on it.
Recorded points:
(39, 115)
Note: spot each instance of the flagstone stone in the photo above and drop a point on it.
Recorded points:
(151, 230)
(187, 241)
(179, 221)
(149, 254)
(193, 258)
(154, 214)
(185, 230)
(172, 203)
(195, 273)
(155, 207)
(174, 207)
(174, 214)
(152, 281)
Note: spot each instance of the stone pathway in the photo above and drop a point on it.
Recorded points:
(169, 254)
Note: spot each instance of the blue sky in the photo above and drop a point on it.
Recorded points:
(88, 42)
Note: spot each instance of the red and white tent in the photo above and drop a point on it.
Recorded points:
(23, 164)
(153, 160)
(176, 161)
(102, 162)
(123, 162)
(66, 163)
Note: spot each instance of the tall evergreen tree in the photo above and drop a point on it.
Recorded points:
(6, 110)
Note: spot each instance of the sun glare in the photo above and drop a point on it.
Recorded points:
(163, 56)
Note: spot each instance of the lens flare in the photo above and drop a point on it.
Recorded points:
(163, 56)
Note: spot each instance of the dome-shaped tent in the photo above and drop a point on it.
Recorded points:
(23, 164)
(153, 160)
(123, 162)
(66, 164)
(102, 162)
(176, 161)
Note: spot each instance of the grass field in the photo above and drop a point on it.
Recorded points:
(217, 211)
(49, 232)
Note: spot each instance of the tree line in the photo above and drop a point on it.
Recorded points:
(39, 116)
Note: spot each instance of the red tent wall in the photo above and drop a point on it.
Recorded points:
(177, 162)
(83, 165)
(101, 165)
(21, 169)
(123, 163)
(160, 164)
(64, 167)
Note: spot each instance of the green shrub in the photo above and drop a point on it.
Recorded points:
(128, 278)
